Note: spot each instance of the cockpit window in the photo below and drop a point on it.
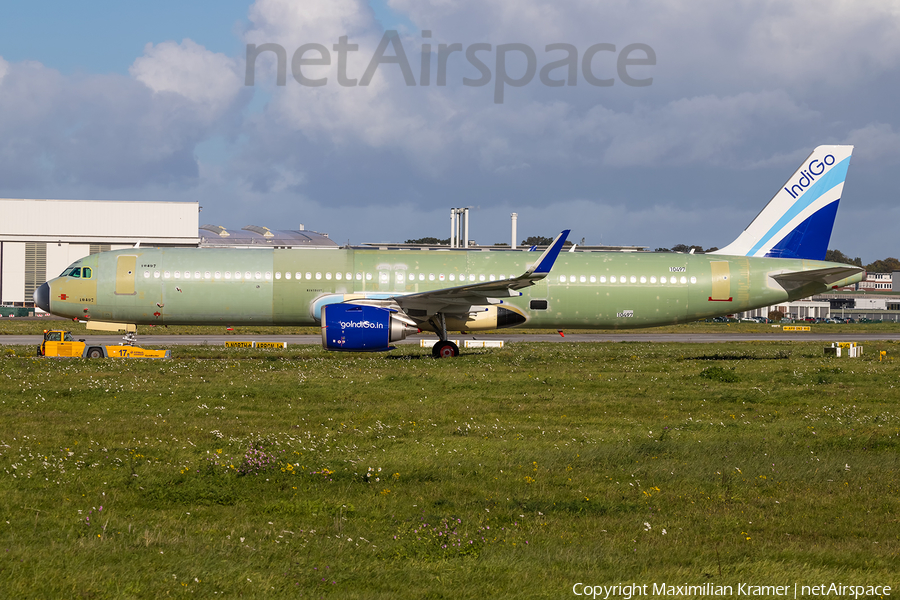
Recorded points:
(76, 272)
(86, 273)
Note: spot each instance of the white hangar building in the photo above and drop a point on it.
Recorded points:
(40, 238)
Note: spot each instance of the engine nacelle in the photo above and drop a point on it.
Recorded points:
(362, 328)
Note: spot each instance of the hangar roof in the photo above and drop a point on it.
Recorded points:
(262, 237)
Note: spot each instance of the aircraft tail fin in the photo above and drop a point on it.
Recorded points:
(797, 222)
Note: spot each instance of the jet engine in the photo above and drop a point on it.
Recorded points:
(362, 328)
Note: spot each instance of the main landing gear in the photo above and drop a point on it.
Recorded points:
(444, 348)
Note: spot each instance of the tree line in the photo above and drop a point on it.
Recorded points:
(887, 265)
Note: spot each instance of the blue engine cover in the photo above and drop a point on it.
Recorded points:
(356, 328)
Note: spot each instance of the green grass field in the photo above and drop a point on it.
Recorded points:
(513, 473)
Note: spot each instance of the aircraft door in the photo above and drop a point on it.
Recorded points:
(125, 273)
(721, 281)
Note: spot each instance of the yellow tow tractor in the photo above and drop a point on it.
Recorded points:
(62, 343)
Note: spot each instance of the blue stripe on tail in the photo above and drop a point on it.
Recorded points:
(808, 240)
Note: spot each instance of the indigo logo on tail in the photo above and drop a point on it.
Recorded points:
(809, 175)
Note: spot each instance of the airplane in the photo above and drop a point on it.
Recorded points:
(365, 299)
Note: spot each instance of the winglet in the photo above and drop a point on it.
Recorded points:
(546, 260)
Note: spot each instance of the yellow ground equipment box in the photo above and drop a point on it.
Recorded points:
(63, 343)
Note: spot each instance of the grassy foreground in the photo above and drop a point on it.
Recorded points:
(511, 473)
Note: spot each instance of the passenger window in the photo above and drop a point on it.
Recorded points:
(338, 276)
(538, 305)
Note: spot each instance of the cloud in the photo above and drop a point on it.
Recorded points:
(4, 69)
(207, 79)
(876, 142)
(111, 131)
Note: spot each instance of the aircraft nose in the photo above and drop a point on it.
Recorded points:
(42, 297)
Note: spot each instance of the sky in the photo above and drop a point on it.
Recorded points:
(631, 122)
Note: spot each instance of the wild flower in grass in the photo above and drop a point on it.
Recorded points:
(256, 460)
(373, 475)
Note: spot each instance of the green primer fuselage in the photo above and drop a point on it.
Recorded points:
(282, 286)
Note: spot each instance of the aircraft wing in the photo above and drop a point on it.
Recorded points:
(827, 276)
(459, 298)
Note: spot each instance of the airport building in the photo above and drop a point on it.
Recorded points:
(40, 238)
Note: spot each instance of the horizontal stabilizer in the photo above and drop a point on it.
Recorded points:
(828, 276)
